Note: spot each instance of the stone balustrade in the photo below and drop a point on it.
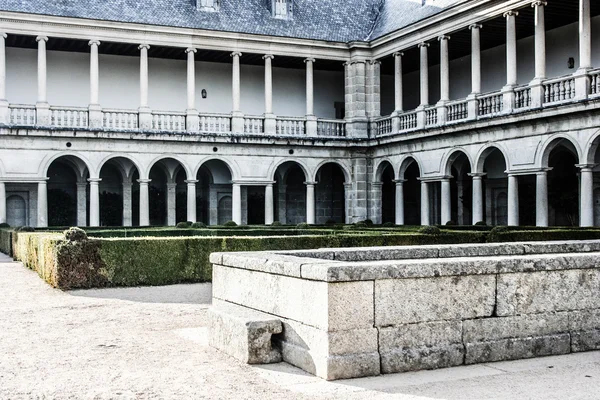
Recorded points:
(366, 311)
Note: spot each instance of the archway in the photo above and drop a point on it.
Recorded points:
(495, 187)
(214, 193)
(410, 173)
(290, 193)
(167, 192)
(386, 178)
(68, 194)
(563, 185)
(461, 188)
(330, 194)
(119, 193)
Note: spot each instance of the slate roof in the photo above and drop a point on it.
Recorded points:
(330, 20)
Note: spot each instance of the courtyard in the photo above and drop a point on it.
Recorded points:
(151, 343)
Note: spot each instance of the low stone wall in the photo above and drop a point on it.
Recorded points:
(362, 312)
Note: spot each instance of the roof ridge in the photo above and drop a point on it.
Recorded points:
(376, 20)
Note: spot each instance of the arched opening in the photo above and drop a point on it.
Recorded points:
(68, 193)
(411, 173)
(213, 193)
(461, 189)
(563, 185)
(119, 193)
(167, 180)
(289, 193)
(388, 193)
(330, 194)
(495, 187)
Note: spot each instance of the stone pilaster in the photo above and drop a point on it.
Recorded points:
(356, 102)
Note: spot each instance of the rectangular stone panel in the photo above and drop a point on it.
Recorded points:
(424, 334)
(551, 291)
(404, 301)
(517, 348)
(327, 306)
(486, 329)
(585, 330)
(424, 357)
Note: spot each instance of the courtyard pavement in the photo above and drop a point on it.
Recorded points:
(150, 343)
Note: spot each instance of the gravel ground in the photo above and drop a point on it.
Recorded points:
(150, 343)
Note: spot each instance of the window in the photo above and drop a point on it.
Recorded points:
(281, 8)
(207, 5)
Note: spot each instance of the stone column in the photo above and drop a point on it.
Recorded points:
(42, 107)
(373, 88)
(541, 198)
(94, 201)
(269, 208)
(446, 211)
(2, 202)
(513, 200)
(424, 203)
(310, 202)
(586, 191)
(144, 202)
(171, 203)
(237, 120)
(350, 211)
(270, 126)
(81, 203)
(236, 203)
(145, 116)
(42, 204)
(511, 61)
(473, 105)
(424, 85)
(311, 119)
(398, 100)
(477, 197)
(4, 113)
(94, 109)
(191, 200)
(442, 111)
(375, 202)
(127, 204)
(537, 89)
(582, 83)
(400, 201)
(192, 122)
(460, 207)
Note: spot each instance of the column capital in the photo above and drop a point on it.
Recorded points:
(357, 62)
(269, 56)
(143, 46)
(235, 54)
(539, 3)
(475, 26)
(81, 185)
(374, 62)
(94, 181)
(399, 181)
(586, 166)
(41, 38)
(191, 181)
(191, 50)
(144, 181)
(511, 13)
(171, 185)
(423, 44)
(94, 42)
(544, 171)
(443, 37)
(398, 54)
(309, 183)
(3, 35)
(309, 59)
(477, 175)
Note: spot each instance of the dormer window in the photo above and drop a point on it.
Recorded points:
(207, 5)
(281, 8)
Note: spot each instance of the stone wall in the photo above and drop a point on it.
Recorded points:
(361, 312)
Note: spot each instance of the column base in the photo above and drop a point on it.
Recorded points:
(43, 115)
(192, 121)
(95, 116)
(270, 126)
(145, 118)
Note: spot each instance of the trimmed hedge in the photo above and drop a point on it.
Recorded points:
(6, 241)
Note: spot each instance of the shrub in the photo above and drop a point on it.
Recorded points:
(276, 223)
(451, 223)
(330, 221)
(4, 225)
(361, 224)
(480, 223)
(199, 225)
(388, 225)
(183, 225)
(24, 229)
(302, 225)
(230, 223)
(75, 234)
(368, 222)
(430, 230)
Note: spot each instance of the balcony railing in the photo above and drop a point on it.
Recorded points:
(119, 119)
(559, 90)
(490, 104)
(21, 115)
(254, 124)
(458, 110)
(215, 123)
(293, 126)
(522, 97)
(331, 127)
(384, 126)
(168, 122)
(408, 121)
(69, 117)
(595, 82)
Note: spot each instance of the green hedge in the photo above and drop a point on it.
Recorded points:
(170, 232)
(6, 241)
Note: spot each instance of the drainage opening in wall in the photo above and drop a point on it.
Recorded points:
(291, 152)
(215, 149)
(69, 144)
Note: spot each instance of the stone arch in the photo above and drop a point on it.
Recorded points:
(162, 159)
(235, 173)
(289, 193)
(451, 156)
(406, 162)
(116, 157)
(214, 191)
(345, 170)
(485, 151)
(557, 141)
(275, 166)
(77, 161)
(330, 193)
(591, 149)
(381, 166)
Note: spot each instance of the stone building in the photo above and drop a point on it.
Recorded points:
(127, 113)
